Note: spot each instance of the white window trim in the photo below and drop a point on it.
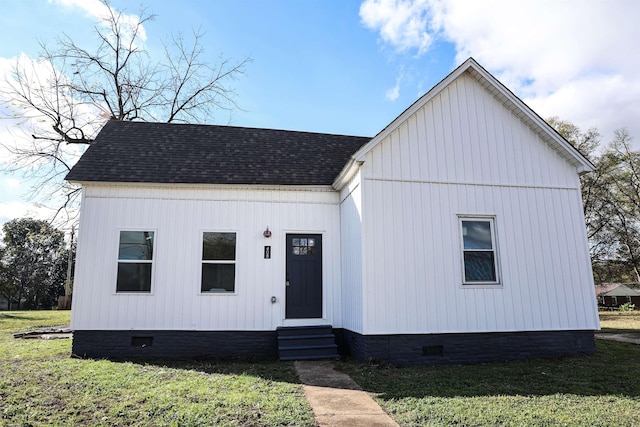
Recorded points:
(133, 261)
(202, 261)
(496, 257)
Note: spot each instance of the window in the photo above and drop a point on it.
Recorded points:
(480, 264)
(135, 261)
(303, 246)
(218, 262)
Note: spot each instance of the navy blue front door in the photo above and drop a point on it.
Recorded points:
(304, 276)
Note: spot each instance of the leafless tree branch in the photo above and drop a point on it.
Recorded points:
(60, 101)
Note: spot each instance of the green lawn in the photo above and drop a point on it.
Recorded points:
(598, 390)
(41, 385)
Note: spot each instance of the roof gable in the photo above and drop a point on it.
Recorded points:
(615, 289)
(208, 154)
(500, 93)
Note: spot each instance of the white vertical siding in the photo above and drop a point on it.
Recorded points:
(464, 135)
(464, 153)
(414, 284)
(351, 250)
(178, 216)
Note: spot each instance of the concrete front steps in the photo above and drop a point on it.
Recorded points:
(307, 343)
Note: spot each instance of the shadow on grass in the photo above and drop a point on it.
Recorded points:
(619, 331)
(270, 370)
(14, 316)
(612, 370)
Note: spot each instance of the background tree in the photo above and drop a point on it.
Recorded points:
(33, 262)
(7, 287)
(625, 199)
(611, 202)
(63, 99)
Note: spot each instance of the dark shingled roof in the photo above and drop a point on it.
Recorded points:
(206, 154)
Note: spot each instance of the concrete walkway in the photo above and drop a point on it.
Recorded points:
(633, 338)
(336, 399)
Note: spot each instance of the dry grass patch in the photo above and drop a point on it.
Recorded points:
(620, 321)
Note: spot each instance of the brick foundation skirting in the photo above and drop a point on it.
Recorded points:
(428, 349)
(174, 344)
(464, 348)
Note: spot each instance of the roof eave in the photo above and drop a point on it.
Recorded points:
(347, 172)
(180, 185)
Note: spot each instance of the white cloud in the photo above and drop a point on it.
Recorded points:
(393, 93)
(18, 123)
(16, 209)
(94, 8)
(9, 187)
(401, 23)
(100, 12)
(575, 59)
(20, 209)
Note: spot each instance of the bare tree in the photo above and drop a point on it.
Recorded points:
(61, 100)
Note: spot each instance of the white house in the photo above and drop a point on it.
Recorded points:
(455, 235)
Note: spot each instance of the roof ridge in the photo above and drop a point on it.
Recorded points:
(236, 127)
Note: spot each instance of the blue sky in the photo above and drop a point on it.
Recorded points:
(350, 67)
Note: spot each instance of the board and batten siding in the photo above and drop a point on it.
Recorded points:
(179, 215)
(351, 250)
(463, 153)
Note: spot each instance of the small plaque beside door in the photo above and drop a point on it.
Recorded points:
(267, 252)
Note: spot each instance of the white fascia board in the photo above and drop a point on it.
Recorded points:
(274, 187)
(347, 172)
